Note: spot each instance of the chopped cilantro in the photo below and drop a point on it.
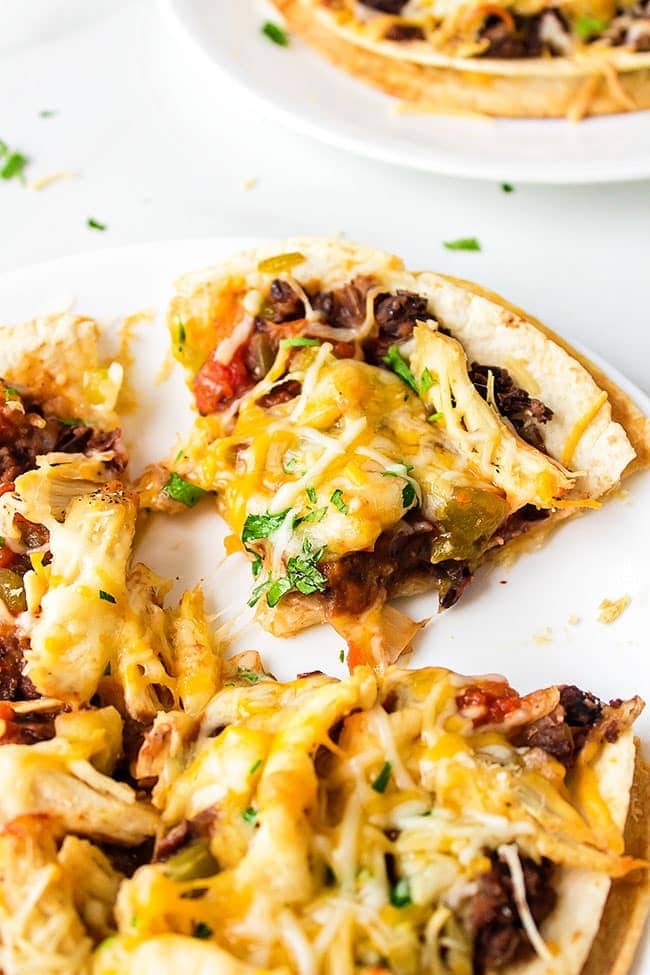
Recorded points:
(47, 113)
(73, 421)
(276, 590)
(462, 244)
(341, 655)
(411, 490)
(435, 417)
(338, 502)
(106, 596)
(296, 341)
(254, 767)
(178, 456)
(382, 780)
(395, 361)
(261, 526)
(2, 540)
(257, 592)
(178, 489)
(256, 564)
(10, 393)
(275, 33)
(12, 164)
(311, 494)
(95, 224)
(586, 26)
(313, 517)
(202, 930)
(303, 572)
(426, 381)
(289, 463)
(180, 332)
(400, 895)
(249, 815)
(408, 495)
(249, 675)
(507, 188)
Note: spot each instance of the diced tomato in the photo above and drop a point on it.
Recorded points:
(7, 557)
(488, 703)
(216, 384)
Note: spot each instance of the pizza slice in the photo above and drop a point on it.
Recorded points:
(371, 432)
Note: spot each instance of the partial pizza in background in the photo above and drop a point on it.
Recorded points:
(520, 58)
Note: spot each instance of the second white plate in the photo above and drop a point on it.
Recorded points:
(322, 101)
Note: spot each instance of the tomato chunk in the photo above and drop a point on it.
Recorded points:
(488, 703)
(216, 384)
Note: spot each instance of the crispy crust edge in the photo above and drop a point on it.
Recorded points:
(626, 910)
(446, 90)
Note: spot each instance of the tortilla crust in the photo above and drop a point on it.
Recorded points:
(450, 90)
(626, 910)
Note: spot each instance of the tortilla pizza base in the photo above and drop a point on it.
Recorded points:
(448, 90)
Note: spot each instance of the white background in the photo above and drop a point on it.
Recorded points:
(163, 146)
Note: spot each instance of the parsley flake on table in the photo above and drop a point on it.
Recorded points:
(12, 163)
(462, 244)
(95, 224)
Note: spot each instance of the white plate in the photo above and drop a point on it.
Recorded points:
(521, 628)
(310, 94)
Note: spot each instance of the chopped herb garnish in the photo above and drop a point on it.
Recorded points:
(382, 780)
(435, 417)
(342, 655)
(180, 332)
(303, 572)
(261, 526)
(248, 675)
(47, 113)
(275, 33)
(2, 540)
(507, 188)
(249, 815)
(256, 564)
(10, 393)
(276, 590)
(73, 421)
(95, 224)
(338, 502)
(311, 494)
(289, 464)
(178, 489)
(106, 596)
(462, 244)
(586, 26)
(400, 895)
(313, 517)
(297, 341)
(411, 490)
(257, 592)
(178, 456)
(408, 495)
(254, 767)
(395, 361)
(426, 381)
(12, 163)
(202, 930)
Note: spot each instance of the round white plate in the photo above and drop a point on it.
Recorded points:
(515, 621)
(308, 93)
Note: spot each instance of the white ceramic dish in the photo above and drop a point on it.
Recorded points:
(308, 93)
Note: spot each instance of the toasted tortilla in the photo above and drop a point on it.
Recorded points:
(616, 81)
(596, 429)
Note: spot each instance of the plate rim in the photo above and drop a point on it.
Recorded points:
(458, 164)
